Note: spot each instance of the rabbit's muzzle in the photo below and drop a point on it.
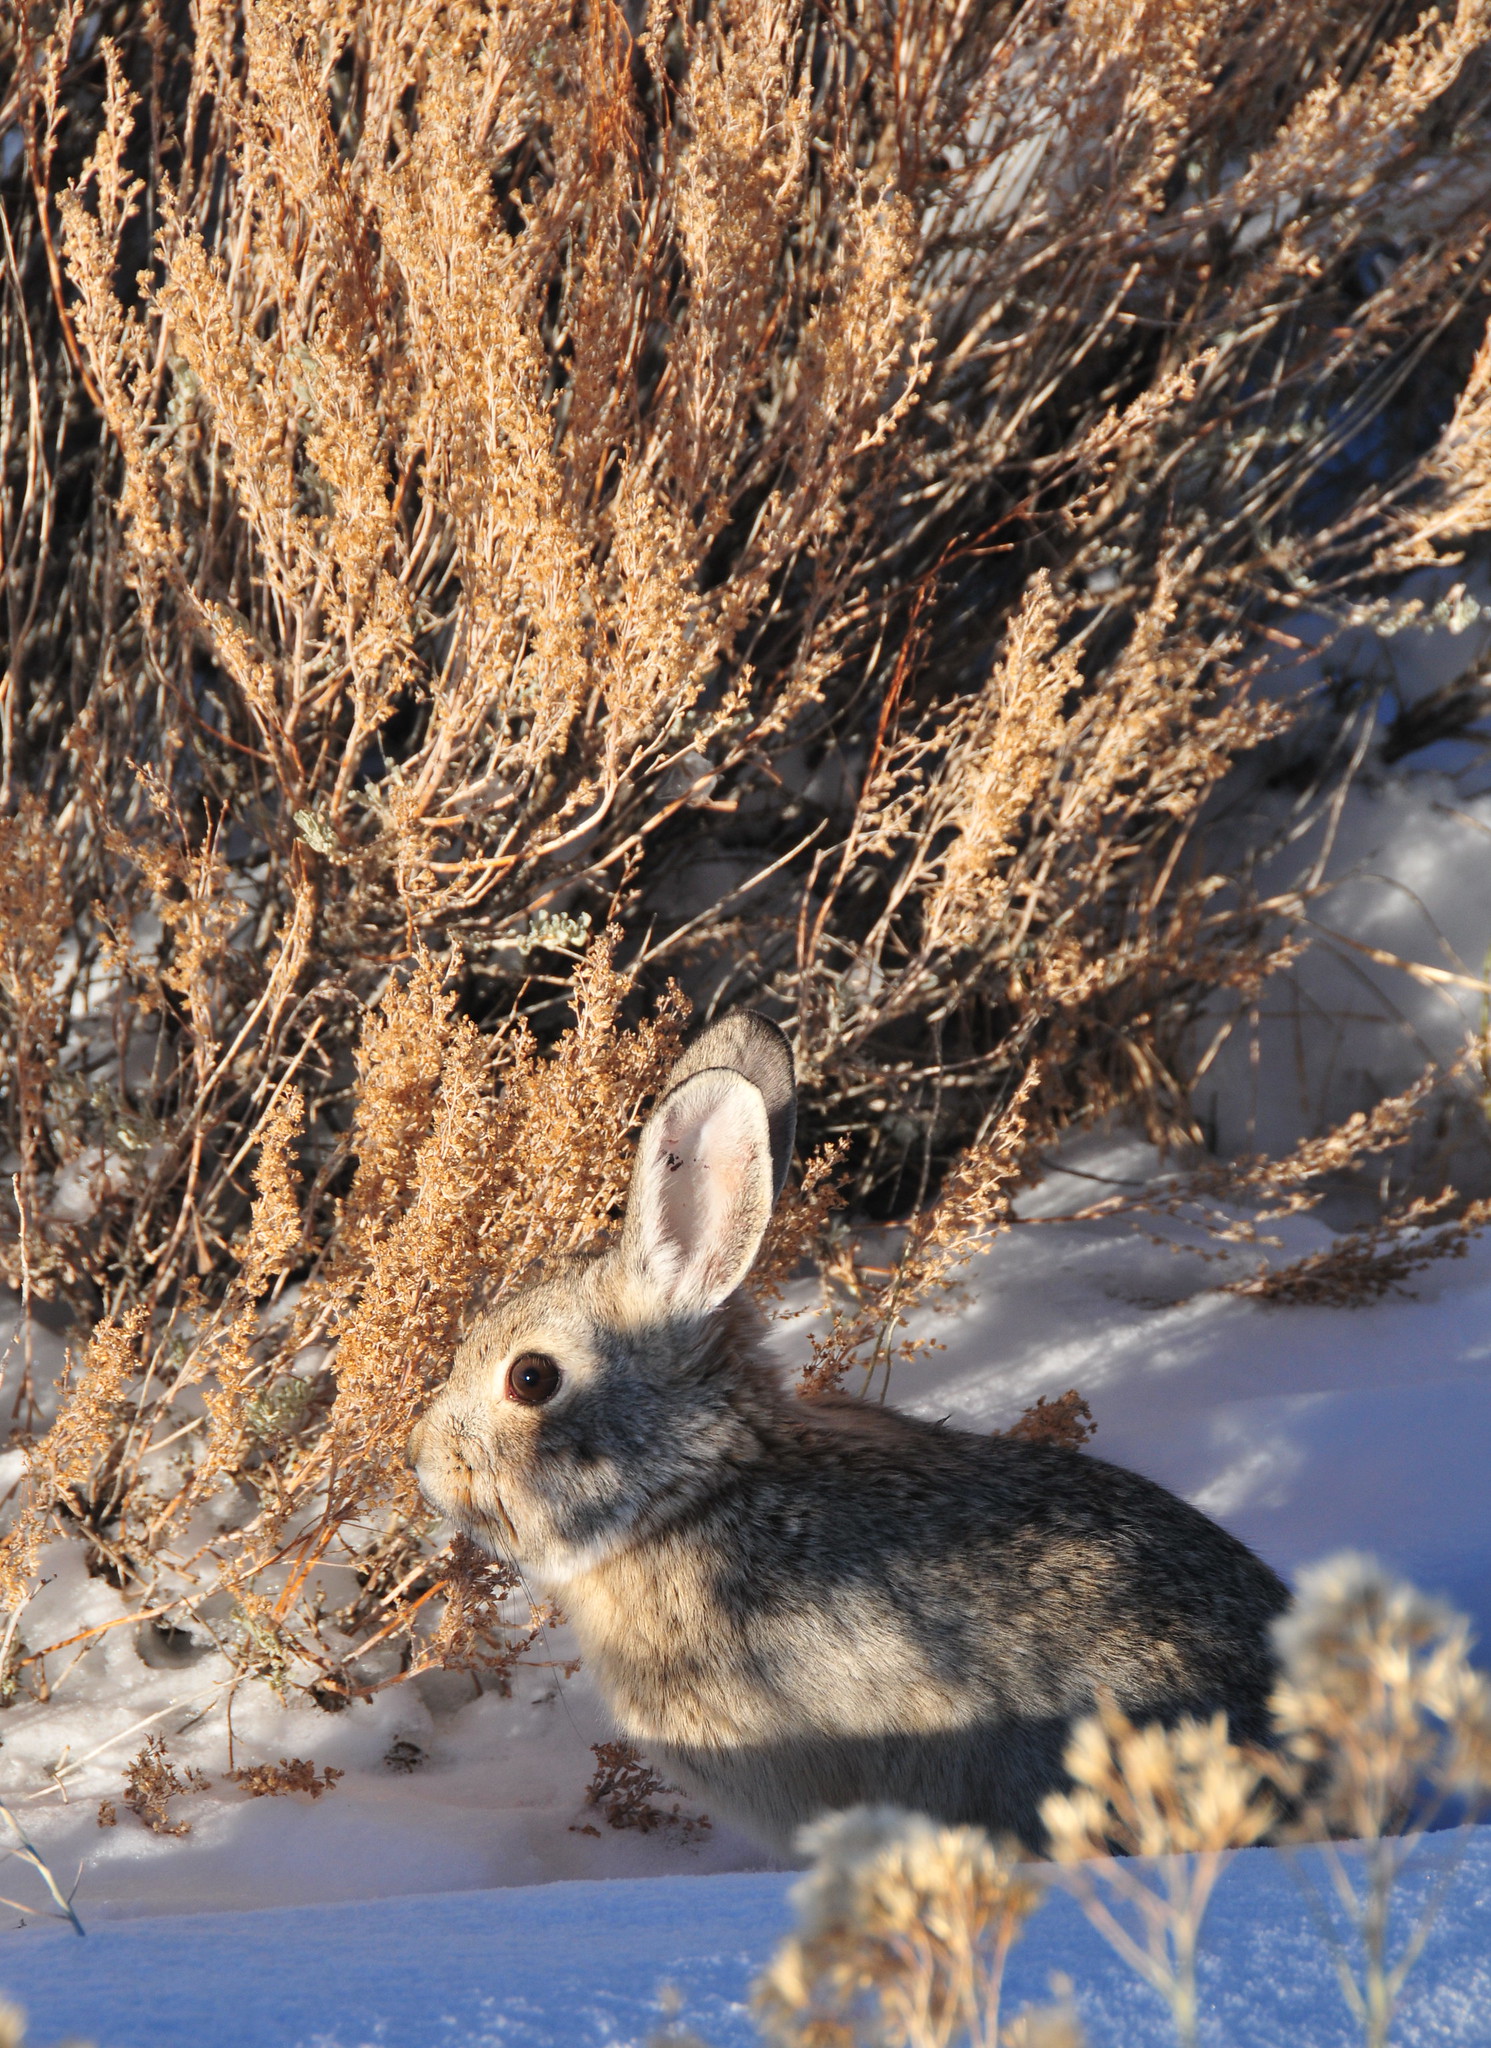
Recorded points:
(455, 1475)
(444, 1471)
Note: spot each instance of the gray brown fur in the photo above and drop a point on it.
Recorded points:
(794, 1605)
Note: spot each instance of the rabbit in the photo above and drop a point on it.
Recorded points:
(802, 1604)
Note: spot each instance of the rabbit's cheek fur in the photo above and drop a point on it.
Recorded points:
(559, 1488)
(629, 1454)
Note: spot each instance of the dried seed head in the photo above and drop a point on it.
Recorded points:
(1157, 1791)
(902, 1927)
(1378, 1698)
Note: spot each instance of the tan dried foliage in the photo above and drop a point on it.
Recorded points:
(1185, 1796)
(35, 914)
(1065, 1421)
(417, 365)
(903, 1932)
(1379, 1701)
(1363, 1265)
(274, 1221)
(1385, 1722)
(92, 1415)
(152, 1781)
(473, 1631)
(1229, 1202)
(870, 1303)
(625, 1790)
(1048, 2026)
(290, 1774)
(1156, 1791)
(78, 1453)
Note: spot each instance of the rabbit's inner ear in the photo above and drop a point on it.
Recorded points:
(701, 1189)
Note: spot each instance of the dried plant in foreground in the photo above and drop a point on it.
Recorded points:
(1048, 2026)
(1388, 1723)
(903, 1931)
(13, 2030)
(1182, 1799)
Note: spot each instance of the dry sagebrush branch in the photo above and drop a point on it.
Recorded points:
(904, 1930)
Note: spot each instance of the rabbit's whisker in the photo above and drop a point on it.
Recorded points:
(507, 1522)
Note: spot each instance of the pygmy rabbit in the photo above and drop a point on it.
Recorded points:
(797, 1605)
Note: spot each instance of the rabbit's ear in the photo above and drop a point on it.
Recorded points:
(752, 1046)
(701, 1190)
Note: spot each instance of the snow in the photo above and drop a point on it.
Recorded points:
(1406, 877)
(1402, 870)
(592, 1963)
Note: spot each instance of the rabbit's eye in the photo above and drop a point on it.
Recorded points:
(532, 1378)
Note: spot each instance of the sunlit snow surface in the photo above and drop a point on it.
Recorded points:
(581, 1964)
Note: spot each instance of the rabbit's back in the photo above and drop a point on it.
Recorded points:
(1037, 1571)
(875, 1608)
